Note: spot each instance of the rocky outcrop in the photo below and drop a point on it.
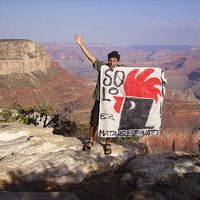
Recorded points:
(35, 159)
(167, 176)
(22, 56)
(29, 78)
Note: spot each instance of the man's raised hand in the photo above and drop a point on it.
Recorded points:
(79, 40)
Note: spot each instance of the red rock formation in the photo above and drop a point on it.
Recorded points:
(181, 111)
(178, 64)
(56, 87)
(177, 141)
(29, 78)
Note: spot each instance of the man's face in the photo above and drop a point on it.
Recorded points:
(112, 62)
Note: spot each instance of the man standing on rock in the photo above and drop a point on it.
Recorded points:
(113, 59)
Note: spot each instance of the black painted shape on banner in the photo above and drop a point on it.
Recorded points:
(135, 113)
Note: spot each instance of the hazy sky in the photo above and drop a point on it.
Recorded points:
(115, 22)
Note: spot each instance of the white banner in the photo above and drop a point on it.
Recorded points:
(130, 101)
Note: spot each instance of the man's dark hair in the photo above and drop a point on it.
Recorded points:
(114, 54)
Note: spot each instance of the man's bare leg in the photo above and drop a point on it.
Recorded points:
(91, 133)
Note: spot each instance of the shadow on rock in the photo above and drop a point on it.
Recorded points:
(63, 126)
(171, 176)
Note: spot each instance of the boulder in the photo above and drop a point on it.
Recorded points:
(167, 176)
(34, 159)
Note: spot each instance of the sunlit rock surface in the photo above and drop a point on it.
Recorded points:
(33, 160)
(34, 155)
(22, 56)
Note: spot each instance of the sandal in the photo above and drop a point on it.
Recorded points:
(107, 149)
(87, 146)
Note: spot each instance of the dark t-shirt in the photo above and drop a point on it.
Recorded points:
(97, 65)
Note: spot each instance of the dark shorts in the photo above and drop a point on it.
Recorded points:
(94, 119)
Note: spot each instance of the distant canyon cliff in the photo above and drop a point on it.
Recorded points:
(31, 74)
(28, 77)
(22, 56)
(181, 111)
(181, 63)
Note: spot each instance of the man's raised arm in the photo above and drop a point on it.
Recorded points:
(79, 40)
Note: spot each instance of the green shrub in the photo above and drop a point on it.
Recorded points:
(7, 115)
(23, 119)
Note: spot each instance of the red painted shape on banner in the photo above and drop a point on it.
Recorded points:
(118, 104)
(140, 87)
